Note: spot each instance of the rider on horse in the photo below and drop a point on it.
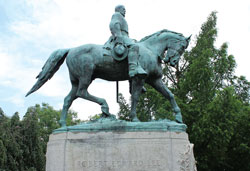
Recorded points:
(119, 29)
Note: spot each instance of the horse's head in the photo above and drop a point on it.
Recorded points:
(175, 49)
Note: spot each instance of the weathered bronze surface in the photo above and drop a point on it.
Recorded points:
(143, 65)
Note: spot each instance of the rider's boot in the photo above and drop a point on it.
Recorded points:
(135, 68)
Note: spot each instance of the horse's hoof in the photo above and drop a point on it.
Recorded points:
(112, 116)
(178, 118)
(105, 110)
(135, 119)
(105, 115)
(62, 123)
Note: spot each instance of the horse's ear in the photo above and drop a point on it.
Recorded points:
(188, 39)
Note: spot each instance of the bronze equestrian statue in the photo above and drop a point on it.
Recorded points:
(121, 58)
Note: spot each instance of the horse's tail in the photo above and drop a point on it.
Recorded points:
(54, 62)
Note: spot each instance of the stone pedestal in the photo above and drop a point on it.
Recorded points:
(120, 151)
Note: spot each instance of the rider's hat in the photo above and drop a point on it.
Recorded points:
(119, 51)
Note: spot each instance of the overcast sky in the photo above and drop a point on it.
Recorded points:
(30, 30)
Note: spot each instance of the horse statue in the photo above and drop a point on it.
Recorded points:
(87, 62)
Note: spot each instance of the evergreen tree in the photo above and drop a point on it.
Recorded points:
(214, 131)
(16, 131)
(3, 150)
(239, 146)
(3, 155)
(48, 120)
(33, 155)
(242, 87)
(11, 151)
(206, 69)
(124, 108)
(23, 143)
(40, 121)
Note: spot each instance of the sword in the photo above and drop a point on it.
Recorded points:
(117, 91)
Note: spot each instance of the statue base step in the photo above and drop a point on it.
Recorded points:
(120, 151)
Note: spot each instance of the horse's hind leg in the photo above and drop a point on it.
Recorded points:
(160, 87)
(83, 93)
(67, 103)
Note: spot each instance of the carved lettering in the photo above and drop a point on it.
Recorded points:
(118, 163)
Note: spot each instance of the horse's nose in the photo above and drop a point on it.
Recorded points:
(173, 62)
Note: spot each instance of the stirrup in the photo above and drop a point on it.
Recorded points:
(138, 71)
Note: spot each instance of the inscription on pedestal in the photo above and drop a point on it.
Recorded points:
(118, 164)
(120, 154)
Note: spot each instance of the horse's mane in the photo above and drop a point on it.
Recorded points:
(158, 33)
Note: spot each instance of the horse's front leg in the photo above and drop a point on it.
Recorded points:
(161, 87)
(136, 88)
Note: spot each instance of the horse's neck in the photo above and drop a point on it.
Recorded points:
(157, 44)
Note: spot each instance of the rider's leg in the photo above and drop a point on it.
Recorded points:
(133, 62)
(135, 68)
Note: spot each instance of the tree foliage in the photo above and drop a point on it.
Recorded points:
(23, 142)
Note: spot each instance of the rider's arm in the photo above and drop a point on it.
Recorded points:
(117, 30)
(115, 26)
